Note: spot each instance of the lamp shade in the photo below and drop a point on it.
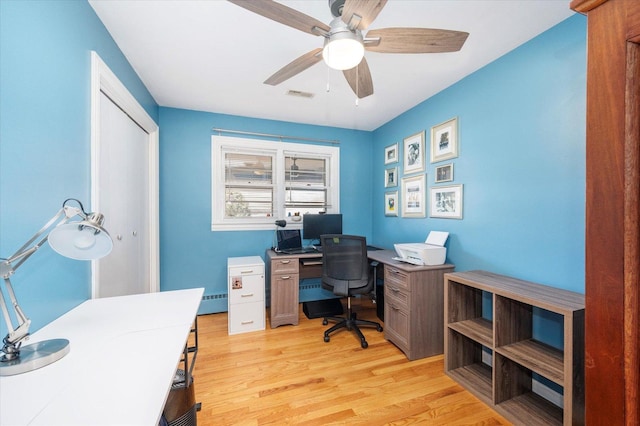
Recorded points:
(81, 240)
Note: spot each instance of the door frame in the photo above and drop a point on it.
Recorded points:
(105, 81)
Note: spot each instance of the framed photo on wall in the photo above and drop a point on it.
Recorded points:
(391, 154)
(446, 202)
(444, 141)
(444, 173)
(391, 203)
(413, 196)
(414, 153)
(391, 177)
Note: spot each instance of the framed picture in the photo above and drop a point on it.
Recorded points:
(413, 196)
(444, 173)
(391, 177)
(391, 203)
(444, 141)
(414, 153)
(391, 154)
(446, 202)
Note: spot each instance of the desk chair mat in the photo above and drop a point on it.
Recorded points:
(322, 308)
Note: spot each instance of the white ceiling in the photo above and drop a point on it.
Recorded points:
(213, 55)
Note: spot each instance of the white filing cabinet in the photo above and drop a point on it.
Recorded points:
(246, 301)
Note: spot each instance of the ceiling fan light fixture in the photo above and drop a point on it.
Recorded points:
(343, 49)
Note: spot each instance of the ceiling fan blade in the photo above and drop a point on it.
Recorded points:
(295, 67)
(415, 40)
(359, 78)
(368, 10)
(282, 14)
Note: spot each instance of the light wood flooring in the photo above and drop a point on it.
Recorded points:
(289, 375)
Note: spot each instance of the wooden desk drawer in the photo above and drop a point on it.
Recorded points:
(396, 326)
(395, 278)
(396, 296)
(284, 266)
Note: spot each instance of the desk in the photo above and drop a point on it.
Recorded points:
(413, 297)
(123, 358)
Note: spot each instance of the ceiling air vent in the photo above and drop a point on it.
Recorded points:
(300, 94)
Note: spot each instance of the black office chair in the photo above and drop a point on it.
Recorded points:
(345, 271)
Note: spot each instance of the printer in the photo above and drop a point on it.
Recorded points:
(431, 252)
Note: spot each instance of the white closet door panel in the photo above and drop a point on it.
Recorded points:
(124, 200)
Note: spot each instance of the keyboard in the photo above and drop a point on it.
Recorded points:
(301, 250)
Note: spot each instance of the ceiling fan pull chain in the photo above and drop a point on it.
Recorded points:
(357, 85)
(328, 79)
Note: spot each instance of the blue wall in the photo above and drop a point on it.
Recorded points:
(194, 256)
(522, 149)
(521, 122)
(45, 71)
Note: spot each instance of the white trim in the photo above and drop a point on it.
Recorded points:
(280, 149)
(105, 81)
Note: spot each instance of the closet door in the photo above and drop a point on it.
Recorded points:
(124, 201)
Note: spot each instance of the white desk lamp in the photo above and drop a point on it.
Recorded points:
(80, 240)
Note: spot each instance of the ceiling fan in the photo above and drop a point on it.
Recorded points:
(344, 44)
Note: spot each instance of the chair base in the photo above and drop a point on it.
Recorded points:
(351, 323)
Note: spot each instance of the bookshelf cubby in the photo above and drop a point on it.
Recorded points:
(497, 359)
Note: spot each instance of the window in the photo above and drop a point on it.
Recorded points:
(256, 182)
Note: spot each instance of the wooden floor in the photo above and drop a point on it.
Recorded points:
(289, 375)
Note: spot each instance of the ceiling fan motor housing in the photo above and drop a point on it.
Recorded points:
(336, 7)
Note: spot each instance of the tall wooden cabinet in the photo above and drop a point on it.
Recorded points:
(612, 239)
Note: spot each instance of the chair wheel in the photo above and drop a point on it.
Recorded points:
(325, 322)
(379, 328)
(326, 338)
(364, 344)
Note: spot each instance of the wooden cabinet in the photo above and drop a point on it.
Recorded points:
(498, 359)
(284, 279)
(413, 311)
(246, 301)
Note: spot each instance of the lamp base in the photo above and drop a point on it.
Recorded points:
(34, 356)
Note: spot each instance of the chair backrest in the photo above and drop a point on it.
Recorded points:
(345, 266)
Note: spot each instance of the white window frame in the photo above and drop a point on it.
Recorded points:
(221, 143)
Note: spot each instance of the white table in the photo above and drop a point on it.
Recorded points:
(123, 358)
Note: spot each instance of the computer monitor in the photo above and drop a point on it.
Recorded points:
(314, 225)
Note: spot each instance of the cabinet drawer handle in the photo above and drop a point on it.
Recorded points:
(246, 322)
(394, 289)
(247, 272)
(247, 295)
(287, 277)
(394, 308)
(284, 262)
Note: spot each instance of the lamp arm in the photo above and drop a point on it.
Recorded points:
(27, 249)
(7, 269)
(21, 332)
